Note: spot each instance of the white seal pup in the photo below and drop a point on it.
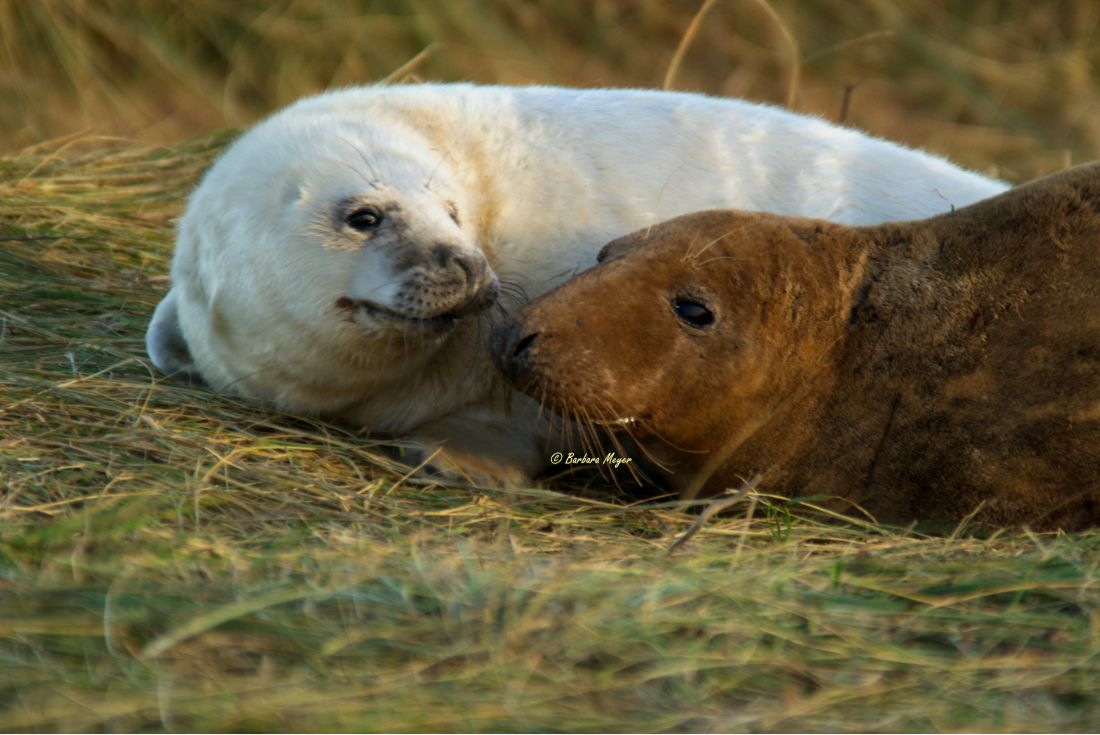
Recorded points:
(340, 257)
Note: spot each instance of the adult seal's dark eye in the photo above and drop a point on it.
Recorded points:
(692, 312)
(363, 219)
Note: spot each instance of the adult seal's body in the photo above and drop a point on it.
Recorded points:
(925, 370)
(343, 257)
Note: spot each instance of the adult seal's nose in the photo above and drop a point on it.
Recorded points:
(513, 351)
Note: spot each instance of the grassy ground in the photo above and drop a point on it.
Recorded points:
(1007, 86)
(175, 560)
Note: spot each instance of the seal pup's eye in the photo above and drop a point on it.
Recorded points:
(363, 219)
(692, 312)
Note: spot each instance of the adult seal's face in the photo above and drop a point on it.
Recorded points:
(683, 343)
(635, 340)
(312, 265)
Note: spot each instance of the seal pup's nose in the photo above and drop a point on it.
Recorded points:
(471, 266)
(511, 346)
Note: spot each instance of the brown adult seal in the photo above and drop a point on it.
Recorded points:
(925, 370)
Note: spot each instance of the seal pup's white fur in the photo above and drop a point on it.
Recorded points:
(338, 258)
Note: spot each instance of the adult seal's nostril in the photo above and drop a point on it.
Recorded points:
(523, 344)
(512, 353)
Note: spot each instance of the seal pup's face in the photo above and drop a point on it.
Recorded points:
(316, 261)
(684, 336)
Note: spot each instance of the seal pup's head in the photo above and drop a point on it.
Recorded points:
(321, 259)
(687, 336)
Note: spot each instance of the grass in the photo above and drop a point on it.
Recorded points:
(176, 560)
(1005, 86)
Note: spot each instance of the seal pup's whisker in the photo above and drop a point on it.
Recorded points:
(443, 158)
(365, 159)
(513, 292)
(356, 171)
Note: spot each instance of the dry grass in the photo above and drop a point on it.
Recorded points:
(175, 560)
(1007, 86)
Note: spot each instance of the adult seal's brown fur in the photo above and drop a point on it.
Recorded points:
(932, 370)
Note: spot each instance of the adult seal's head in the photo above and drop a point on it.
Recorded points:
(687, 334)
(940, 370)
(319, 257)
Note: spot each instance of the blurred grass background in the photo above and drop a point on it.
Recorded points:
(174, 560)
(1006, 86)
